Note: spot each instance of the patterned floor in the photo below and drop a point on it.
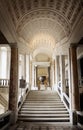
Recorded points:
(30, 126)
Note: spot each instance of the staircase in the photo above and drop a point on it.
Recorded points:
(43, 106)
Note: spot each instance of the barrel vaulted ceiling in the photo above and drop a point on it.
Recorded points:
(41, 23)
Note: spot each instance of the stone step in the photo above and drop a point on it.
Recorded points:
(43, 106)
(45, 109)
(43, 101)
(25, 106)
(44, 115)
(40, 111)
(63, 119)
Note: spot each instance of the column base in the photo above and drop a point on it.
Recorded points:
(74, 118)
(13, 118)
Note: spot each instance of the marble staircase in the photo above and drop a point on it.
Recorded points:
(43, 106)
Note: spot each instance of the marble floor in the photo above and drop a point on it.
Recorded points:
(35, 126)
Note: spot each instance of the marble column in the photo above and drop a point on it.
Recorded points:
(25, 66)
(13, 87)
(57, 71)
(49, 75)
(33, 76)
(74, 79)
(35, 73)
(8, 63)
(37, 76)
(69, 77)
(62, 73)
(28, 69)
(0, 62)
(53, 75)
(30, 74)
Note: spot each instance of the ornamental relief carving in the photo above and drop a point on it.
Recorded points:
(44, 14)
(65, 12)
(67, 8)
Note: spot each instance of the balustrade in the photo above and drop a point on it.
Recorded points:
(5, 120)
(4, 82)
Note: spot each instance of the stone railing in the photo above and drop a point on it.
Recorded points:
(22, 98)
(66, 101)
(80, 119)
(4, 82)
(64, 95)
(5, 120)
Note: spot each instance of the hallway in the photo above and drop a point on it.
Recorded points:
(41, 51)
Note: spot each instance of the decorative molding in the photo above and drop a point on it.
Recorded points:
(13, 45)
(70, 9)
(49, 14)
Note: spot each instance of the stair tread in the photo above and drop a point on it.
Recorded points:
(25, 106)
(45, 103)
(44, 115)
(32, 112)
(42, 101)
(43, 106)
(45, 109)
(47, 118)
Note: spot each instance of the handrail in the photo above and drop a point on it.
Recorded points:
(5, 120)
(22, 98)
(67, 98)
(4, 82)
(66, 101)
(80, 119)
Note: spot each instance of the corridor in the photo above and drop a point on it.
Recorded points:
(41, 64)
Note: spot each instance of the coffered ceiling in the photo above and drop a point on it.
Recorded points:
(40, 23)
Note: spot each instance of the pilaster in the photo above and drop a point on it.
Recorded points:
(62, 73)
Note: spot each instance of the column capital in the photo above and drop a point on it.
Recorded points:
(73, 45)
(13, 45)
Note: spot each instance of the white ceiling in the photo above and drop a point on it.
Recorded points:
(40, 26)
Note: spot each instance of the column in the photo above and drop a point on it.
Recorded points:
(8, 62)
(49, 75)
(25, 66)
(13, 87)
(74, 80)
(35, 73)
(52, 72)
(0, 61)
(62, 74)
(30, 74)
(33, 76)
(37, 76)
(57, 71)
(28, 69)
